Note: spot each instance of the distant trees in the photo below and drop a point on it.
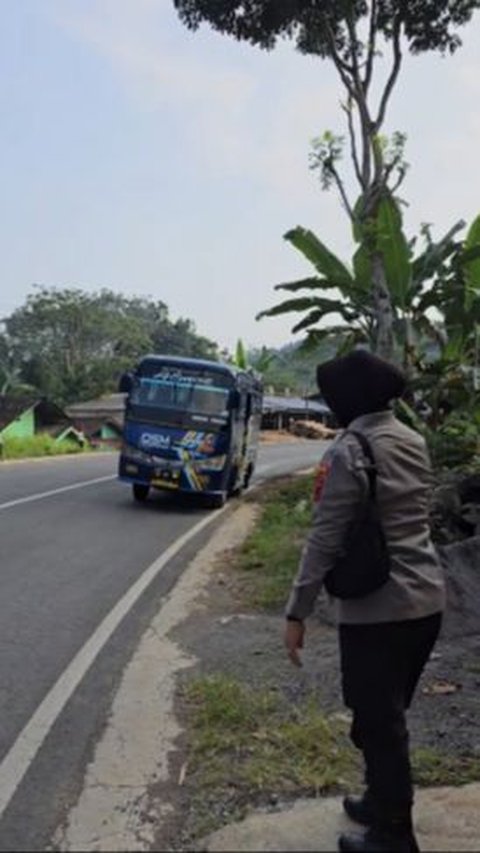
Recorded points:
(70, 345)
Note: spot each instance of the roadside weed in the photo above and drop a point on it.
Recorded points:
(432, 767)
(269, 557)
(256, 741)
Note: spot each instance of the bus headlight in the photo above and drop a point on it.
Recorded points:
(136, 455)
(214, 463)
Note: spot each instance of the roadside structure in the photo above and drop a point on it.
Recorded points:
(100, 420)
(28, 415)
(279, 412)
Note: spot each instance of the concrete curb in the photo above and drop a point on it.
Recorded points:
(446, 819)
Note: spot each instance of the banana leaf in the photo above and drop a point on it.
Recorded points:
(426, 265)
(472, 266)
(324, 261)
(327, 307)
(362, 268)
(391, 242)
(305, 303)
(308, 284)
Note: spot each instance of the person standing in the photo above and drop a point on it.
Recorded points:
(385, 637)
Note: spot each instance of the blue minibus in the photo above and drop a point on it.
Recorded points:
(191, 425)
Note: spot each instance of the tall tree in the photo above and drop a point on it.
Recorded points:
(70, 345)
(359, 37)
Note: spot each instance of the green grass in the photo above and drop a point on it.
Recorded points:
(245, 745)
(37, 445)
(433, 768)
(254, 742)
(269, 557)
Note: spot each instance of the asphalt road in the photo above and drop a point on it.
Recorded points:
(83, 570)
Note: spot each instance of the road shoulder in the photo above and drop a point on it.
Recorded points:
(127, 792)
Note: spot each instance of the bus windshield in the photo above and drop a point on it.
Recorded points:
(189, 394)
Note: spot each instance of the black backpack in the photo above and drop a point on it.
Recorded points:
(364, 564)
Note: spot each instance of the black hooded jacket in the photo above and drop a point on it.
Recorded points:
(358, 384)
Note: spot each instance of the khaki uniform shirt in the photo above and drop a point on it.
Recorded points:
(416, 586)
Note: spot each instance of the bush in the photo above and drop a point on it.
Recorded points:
(42, 444)
(456, 442)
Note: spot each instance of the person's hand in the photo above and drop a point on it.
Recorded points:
(293, 638)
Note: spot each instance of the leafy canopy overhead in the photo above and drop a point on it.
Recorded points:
(318, 25)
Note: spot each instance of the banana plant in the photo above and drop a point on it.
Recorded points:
(240, 358)
(453, 270)
(351, 302)
(352, 299)
(445, 275)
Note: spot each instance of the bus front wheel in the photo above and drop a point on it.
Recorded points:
(217, 501)
(140, 492)
(234, 489)
(248, 476)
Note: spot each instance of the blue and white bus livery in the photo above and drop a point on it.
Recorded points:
(191, 425)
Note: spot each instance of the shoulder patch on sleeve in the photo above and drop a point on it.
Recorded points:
(321, 475)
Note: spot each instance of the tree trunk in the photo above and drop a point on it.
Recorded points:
(383, 310)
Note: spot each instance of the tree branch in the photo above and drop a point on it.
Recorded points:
(397, 61)
(353, 142)
(399, 181)
(371, 47)
(342, 192)
(342, 67)
(359, 96)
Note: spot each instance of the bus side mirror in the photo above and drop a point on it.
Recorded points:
(234, 399)
(125, 383)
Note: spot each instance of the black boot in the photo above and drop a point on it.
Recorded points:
(359, 809)
(392, 839)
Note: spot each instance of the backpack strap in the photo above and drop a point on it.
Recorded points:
(371, 470)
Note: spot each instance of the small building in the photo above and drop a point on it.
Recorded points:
(100, 420)
(278, 412)
(27, 415)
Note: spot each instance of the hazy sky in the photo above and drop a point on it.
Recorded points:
(141, 157)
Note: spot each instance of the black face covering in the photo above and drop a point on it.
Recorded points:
(358, 384)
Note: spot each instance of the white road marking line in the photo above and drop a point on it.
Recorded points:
(22, 753)
(59, 491)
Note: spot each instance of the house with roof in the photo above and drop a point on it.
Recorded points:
(26, 415)
(100, 420)
(278, 412)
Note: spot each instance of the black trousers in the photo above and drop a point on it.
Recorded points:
(381, 665)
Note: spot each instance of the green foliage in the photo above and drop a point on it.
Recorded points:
(354, 303)
(352, 36)
(390, 241)
(430, 25)
(37, 445)
(269, 556)
(69, 345)
(291, 368)
(471, 264)
(255, 741)
(452, 428)
(326, 153)
(433, 768)
(456, 442)
(436, 300)
(241, 358)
